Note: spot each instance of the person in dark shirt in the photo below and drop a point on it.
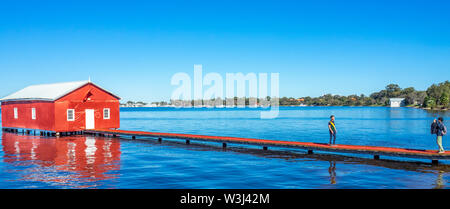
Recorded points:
(332, 129)
(441, 130)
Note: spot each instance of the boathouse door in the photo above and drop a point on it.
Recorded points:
(90, 119)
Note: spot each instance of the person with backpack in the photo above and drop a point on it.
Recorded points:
(438, 128)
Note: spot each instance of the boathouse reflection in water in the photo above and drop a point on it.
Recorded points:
(65, 160)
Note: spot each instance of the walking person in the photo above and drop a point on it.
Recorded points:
(332, 129)
(438, 128)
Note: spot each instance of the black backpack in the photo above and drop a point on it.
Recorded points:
(434, 128)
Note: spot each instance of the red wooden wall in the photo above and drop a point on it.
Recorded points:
(87, 97)
(45, 115)
(52, 116)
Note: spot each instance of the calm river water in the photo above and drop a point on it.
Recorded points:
(89, 162)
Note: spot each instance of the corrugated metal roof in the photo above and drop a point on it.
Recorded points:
(46, 92)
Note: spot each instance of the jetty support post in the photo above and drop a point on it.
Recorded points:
(133, 137)
(310, 152)
(159, 140)
(435, 162)
(265, 148)
(224, 145)
(188, 141)
(376, 157)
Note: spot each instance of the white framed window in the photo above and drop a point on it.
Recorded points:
(16, 113)
(106, 113)
(33, 113)
(70, 115)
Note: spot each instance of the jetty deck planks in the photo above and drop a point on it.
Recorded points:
(310, 146)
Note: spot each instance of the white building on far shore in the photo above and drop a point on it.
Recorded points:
(397, 102)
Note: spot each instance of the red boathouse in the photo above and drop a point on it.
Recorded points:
(61, 107)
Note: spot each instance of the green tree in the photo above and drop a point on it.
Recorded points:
(407, 91)
(393, 90)
(429, 102)
(436, 91)
(444, 100)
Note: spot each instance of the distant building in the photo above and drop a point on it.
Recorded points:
(397, 102)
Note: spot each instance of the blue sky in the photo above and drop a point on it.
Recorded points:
(134, 47)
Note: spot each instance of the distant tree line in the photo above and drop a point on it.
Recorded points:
(142, 104)
(162, 103)
(438, 96)
(435, 97)
(235, 101)
(133, 104)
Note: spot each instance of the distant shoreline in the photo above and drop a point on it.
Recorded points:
(223, 107)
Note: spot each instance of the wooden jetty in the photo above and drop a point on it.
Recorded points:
(376, 151)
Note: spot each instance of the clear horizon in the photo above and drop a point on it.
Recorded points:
(133, 48)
